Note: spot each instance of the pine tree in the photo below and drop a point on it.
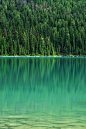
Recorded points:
(19, 50)
(2, 50)
(25, 42)
(28, 45)
(42, 47)
(73, 43)
(15, 47)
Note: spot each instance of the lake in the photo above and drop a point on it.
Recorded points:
(42, 93)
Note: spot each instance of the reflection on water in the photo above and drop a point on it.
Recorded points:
(42, 93)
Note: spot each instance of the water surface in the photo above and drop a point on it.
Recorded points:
(43, 93)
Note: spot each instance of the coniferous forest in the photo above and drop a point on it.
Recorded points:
(42, 27)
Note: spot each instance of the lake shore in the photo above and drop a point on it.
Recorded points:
(45, 56)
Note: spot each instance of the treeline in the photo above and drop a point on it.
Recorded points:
(50, 27)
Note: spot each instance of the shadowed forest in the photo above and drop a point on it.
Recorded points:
(42, 27)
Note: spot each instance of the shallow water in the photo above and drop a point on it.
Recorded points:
(42, 93)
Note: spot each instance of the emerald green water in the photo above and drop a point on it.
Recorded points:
(42, 93)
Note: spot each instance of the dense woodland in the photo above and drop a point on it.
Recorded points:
(42, 27)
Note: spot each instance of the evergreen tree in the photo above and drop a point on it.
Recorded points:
(45, 28)
(2, 50)
(42, 46)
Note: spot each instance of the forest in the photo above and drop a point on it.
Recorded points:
(42, 27)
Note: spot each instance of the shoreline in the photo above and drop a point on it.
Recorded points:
(47, 56)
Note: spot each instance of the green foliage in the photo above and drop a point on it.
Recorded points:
(42, 27)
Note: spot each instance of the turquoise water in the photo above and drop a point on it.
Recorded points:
(42, 93)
